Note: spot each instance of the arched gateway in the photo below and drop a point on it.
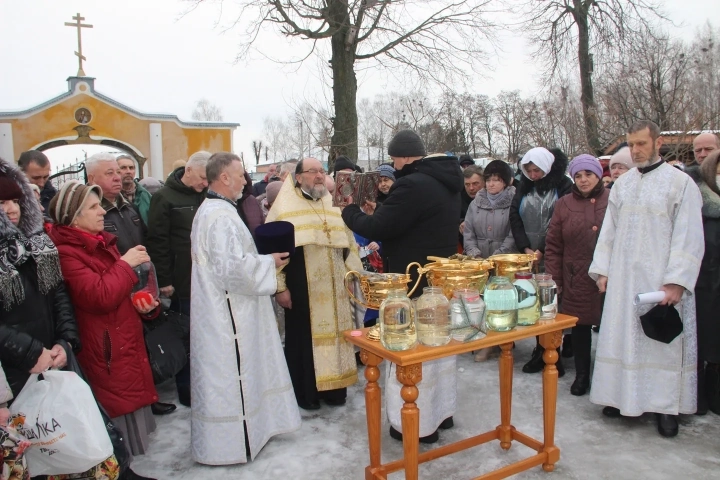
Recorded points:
(83, 115)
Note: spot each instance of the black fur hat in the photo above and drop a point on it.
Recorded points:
(499, 168)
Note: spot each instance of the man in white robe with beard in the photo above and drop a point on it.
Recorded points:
(241, 389)
(651, 240)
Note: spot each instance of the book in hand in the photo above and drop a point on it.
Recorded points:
(355, 187)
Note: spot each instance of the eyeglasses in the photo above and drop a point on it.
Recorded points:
(315, 171)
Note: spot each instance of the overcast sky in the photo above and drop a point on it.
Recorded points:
(157, 58)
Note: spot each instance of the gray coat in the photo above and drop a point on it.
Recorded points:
(487, 228)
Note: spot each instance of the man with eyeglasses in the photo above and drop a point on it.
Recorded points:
(312, 292)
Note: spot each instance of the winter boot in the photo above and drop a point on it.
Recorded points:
(582, 343)
(702, 396)
(712, 386)
(536, 363)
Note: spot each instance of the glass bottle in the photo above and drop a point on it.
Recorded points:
(433, 317)
(547, 291)
(397, 322)
(146, 289)
(528, 301)
(501, 300)
(467, 309)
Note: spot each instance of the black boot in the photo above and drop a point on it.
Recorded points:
(667, 425)
(130, 475)
(559, 365)
(567, 346)
(432, 438)
(536, 363)
(712, 387)
(159, 408)
(582, 343)
(702, 397)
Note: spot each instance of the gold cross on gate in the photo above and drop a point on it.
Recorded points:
(79, 25)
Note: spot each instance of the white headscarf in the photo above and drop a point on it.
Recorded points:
(539, 156)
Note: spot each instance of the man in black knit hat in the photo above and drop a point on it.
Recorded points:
(418, 218)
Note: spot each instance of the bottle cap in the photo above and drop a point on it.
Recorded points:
(523, 275)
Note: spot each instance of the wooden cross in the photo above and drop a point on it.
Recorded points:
(79, 25)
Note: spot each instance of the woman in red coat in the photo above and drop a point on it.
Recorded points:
(100, 282)
(570, 244)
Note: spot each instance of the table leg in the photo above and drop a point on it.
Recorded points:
(409, 376)
(506, 377)
(551, 342)
(372, 404)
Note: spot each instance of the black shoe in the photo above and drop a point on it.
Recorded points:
(309, 405)
(447, 423)
(335, 402)
(702, 397)
(184, 396)
(536, 363)
(611, 412)
(667, 424)
(432, 438)
(596, 329)
(567, 348)
(159, 408)
(712, 387)
(130, 475)
(581, 385)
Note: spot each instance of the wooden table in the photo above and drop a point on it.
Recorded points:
(409, 373)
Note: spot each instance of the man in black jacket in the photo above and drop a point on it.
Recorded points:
(419, 218)
(36, 167)
(121, 218)
(170, 219)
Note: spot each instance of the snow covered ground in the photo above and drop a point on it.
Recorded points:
(332, 443)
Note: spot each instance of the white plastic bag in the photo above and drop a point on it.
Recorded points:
(60, 418)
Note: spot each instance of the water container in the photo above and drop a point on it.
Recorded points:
(501, 300)
(433, 317)
(397, 322)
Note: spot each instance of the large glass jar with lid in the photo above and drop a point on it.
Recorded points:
(397, 321)
(433, 317)
(528, 301)
(467, 310)
(501, 304)
(547, 291)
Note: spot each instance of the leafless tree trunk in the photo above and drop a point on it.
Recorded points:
(564, 30)
(436, 41)
(257, 146)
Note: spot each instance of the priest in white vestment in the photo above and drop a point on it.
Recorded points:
(651, 240)
(241, 388)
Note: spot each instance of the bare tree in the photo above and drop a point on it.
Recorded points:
(581, 30)
(437, 40)
(206, 111)
(257, 146)
(510, 110)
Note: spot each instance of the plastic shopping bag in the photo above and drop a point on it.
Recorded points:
(57, 413)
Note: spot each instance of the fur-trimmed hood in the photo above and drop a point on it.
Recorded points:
(31, 219)
(711, 201)
(555, 179)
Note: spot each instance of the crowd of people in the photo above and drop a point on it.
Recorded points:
(267, 328)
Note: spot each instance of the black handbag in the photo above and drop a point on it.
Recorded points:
(120, 448)
(167, 339)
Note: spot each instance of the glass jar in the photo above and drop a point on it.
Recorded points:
(397, 321)
(433, 317)
(528, 301)
(547, 291)
(146, 289)
(467, 309)
(501, 300)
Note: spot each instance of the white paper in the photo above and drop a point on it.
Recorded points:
(647, 298)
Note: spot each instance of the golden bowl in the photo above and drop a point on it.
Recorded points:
(454, 274)
(506, 265)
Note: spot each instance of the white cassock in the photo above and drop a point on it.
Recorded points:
(437, 394)
(652, 235)
(232, 320)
